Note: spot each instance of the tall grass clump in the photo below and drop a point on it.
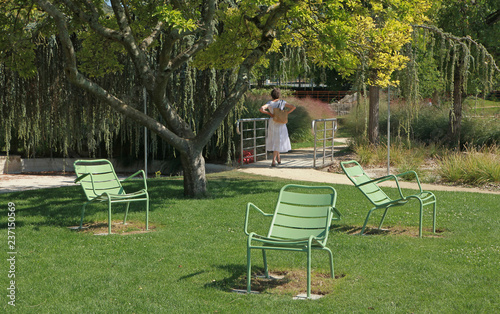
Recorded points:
(474, 166)
(402, 157)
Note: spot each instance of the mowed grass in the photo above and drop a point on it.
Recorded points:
(196, 253)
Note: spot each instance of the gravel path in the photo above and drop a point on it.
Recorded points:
(22, 182)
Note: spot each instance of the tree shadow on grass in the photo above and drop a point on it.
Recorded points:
(63, 206)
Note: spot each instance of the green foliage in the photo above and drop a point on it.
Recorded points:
(235, 44)
(429, 124)
(16, 31)
(367, 36)
(99, 56)
(174, 18)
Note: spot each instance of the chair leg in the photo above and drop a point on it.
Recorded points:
(266, 270)
(383, 217)
(309, 271)
(434, 217)
(147, 212)
(331, 262)
(366, 220)
(83, 212)
(249, 270)
(109, 217)
(126, 213)
(421, 218)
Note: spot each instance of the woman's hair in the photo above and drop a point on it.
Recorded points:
(276, 93)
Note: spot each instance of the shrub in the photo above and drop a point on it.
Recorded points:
(429, 125)
(474, 166)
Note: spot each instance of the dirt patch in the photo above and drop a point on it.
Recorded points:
(389, 230)
(117, 227)
(290, 282)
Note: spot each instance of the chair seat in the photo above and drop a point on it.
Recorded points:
(276, 243)
(127, 196)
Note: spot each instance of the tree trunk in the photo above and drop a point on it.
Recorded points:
(373, 114)
(195, 181)
(455, 123)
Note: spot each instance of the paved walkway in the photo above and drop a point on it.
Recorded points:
(322, 176)
(22, 182)
(296, 165)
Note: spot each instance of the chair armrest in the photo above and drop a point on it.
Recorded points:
(81, 177)
(251, 205)
(136, 174)
(383, 179)
(416, 177)
(395, 178)
(91, 181)
(335, 214)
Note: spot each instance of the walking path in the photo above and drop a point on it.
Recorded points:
(22, 182)
(296, 165)
(322, 176)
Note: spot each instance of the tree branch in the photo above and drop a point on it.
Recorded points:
(167, 65)
(207, 37)
(79, 80)
(460, 40)
(268, 33)
(92, 20)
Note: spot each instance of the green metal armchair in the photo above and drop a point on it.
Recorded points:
(301, 223)
(379, 198)
(100, 183)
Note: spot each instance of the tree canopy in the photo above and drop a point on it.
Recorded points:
(156, 39)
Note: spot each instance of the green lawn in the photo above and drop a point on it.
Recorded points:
(196, 254)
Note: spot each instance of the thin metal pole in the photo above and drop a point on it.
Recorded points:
(315, 146)
(145, 135)
(388, 130)
(241, 142)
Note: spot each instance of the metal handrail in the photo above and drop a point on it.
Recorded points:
(254, 145)
(333, 129)
(247, 120)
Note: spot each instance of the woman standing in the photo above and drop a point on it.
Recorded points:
(277, 139)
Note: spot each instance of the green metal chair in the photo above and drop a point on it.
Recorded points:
(301, 222)
(100, 183)
(380, 200)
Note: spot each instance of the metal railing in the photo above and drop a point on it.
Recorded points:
(329, 126)
(252, 138)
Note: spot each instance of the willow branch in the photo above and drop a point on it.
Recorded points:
(460, 40)
(241, 85)
(76, 78)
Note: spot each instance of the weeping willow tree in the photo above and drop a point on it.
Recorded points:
(451, 59)
(455, 65)
(158, 40)
(46, 115)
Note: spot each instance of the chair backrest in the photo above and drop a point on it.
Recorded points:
(303, 211)
(102, 179)
(357, 175)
